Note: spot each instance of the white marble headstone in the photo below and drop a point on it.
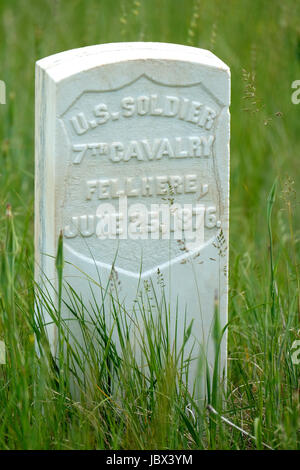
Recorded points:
(132, 164)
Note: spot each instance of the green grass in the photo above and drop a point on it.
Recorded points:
(260, 41)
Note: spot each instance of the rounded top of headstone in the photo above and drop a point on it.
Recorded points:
(65, 64)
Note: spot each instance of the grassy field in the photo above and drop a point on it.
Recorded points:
(260, 41)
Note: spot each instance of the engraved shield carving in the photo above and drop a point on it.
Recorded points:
(151, 143)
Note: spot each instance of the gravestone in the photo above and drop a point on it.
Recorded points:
(2, 92)
(2, 352)
(132, 165)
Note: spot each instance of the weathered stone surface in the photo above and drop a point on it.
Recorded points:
(132, 127)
